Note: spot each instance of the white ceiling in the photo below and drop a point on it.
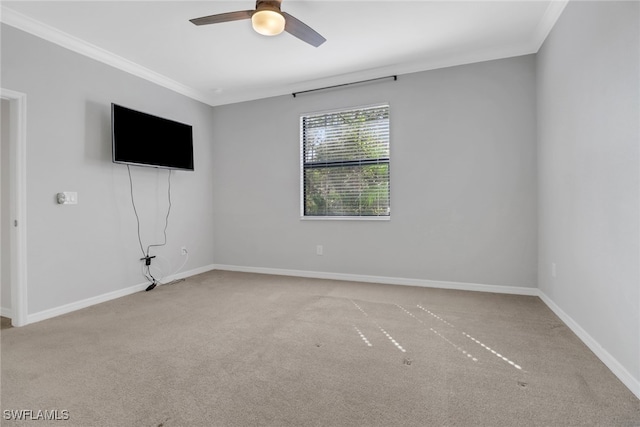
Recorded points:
(229, 62)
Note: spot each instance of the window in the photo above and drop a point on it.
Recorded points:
(345, 163)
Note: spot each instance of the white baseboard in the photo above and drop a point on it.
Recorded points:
(190, 273)
(383, 280)
(68, 308)
(618, 370)
(6, 312)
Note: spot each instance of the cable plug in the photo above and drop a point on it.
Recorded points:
(147, 259)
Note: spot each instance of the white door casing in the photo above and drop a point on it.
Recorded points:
(18, 204)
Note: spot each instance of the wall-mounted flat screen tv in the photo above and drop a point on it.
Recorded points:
(145, 140)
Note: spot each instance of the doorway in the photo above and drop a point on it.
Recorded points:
(13, 207)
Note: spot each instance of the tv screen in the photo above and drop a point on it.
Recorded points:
(145, 140)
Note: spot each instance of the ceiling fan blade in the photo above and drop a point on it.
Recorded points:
(299, 29)
(223, 17)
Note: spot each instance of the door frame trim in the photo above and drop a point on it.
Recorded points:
(18, 203)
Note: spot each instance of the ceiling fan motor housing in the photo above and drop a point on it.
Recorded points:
(268, 5)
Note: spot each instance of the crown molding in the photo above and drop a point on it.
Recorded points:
(29, 25)
(548, 20)
(419, 66)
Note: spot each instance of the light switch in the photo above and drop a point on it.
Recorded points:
(67, 198)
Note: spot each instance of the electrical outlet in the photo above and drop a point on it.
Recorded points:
(319, 250)
(553, 269)
(183, 250)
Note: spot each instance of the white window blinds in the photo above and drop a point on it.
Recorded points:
(345, 163)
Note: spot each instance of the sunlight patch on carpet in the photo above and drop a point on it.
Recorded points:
(504, 358)
(460, 349)
(435, 315)
(391, 338)
(362, 336)
(396, 343)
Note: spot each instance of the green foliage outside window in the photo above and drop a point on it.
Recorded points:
(346, 163)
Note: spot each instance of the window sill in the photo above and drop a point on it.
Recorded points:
(345, 218)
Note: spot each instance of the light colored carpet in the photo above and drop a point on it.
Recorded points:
(5, 323)
(234, 349)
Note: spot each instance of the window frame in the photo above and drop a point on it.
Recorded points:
(304, 217)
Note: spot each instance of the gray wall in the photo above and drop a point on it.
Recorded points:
(588, 74)
(86, 250)
(5, 272)
(463, 181)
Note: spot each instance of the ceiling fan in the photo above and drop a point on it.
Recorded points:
(269, 20)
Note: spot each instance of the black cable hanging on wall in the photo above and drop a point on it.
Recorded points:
(146, 257)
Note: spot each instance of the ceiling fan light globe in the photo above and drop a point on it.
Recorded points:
(268, 22)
